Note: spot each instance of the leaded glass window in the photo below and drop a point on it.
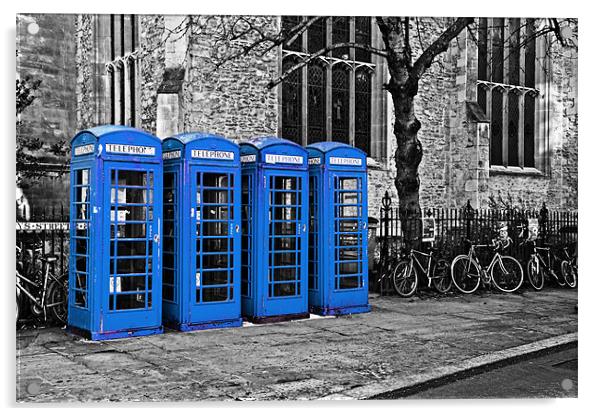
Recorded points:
(121, 64)
(316, 97)
(363, 95)
(340, 34)
(506, 88)
(288, 24)
(291, 103)
(316, 35)
(363, 34)
(340, 103)
(331, 97)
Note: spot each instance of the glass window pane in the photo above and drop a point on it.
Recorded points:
(284, 243)
(348, 225)
(340, 104)
(215, 261)
(81, 263)
(285, 259)
(363, 98)
(130, 301)
(283, 198)
(350, 184)
(349, 212)
(284, 274)
(213, 196)
(128, 266)
(215, 228)
(215, 245)
(349, 282)
(215, 294)
(284, 213)
(215, 277)
(283, 228)
(81, 281)
(349, 254)
(80, 299)
(128, 230)
(130, 283)
(288, 24)
(82, 177)
(83, 211)
(363, 36)
(348, 240)
(284, 289)
(216, 180)
(316, 97)
(348, 268)
(340, 34)
(131, 248)
(291, 102)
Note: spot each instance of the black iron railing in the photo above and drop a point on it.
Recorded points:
(454, 227)
(45, 233)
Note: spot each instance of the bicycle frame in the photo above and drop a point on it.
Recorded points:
(414, 258)
(548, 267)
(497, 257)
(44, 286)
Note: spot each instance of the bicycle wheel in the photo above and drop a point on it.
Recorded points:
(405, 279)
(442, 280)
(56, 300)
(568, 273)
(465, 274)
(507, 274)
(535, 274)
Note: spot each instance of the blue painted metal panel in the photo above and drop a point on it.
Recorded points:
(116, 211)
(275, 212)
(203, 174)
(338, 229)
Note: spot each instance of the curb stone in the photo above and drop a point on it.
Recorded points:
(380, 390)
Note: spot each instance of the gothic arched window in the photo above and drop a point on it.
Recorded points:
(291, 103)
(507, 91)
(332, 97)
(316, 102)
(121, 61)
(340, 103)
(363, 96)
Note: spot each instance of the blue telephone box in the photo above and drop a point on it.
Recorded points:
(201, 232)
(338, 234)
(274, 230)
(115, 228)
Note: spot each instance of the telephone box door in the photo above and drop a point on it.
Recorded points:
(350, 239)
(215, 221)
(286, 235)
(131, 288)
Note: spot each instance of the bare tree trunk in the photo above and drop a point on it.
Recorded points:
(407, 161)
(409, 152)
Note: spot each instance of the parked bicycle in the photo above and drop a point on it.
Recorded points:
(387, 266)
(546, 262)
(504, 272)
(568, 266)
(434, 268)
(40, 290)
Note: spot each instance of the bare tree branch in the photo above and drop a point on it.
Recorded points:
(438, 46)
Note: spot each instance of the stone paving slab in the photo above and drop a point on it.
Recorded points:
(353, 357)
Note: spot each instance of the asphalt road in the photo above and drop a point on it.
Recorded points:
(551, 375)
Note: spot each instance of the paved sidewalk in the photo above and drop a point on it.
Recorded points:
(400, 343)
